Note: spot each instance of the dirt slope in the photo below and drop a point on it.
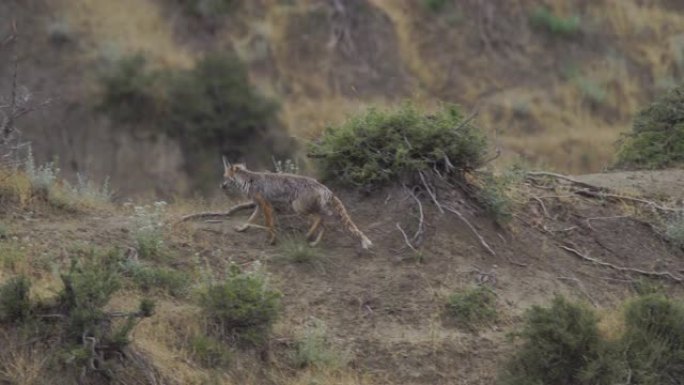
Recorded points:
(383, 309)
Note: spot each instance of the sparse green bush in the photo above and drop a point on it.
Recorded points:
(493, 194)
(210, 352)
(148, 229)
(560, 345)
(314, 348)
(148, 278)
(297, 251)
(128, 93)
(242, 307)
(473, 307)
(657, 137)
(380, 147)
(42, 177)
(14, 299)
(542, 18)
(654, 341)
(88, 192)
(675, 230)
(88, 286)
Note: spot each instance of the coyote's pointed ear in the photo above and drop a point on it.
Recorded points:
(226, 164)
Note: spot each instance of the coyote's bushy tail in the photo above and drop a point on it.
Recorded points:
(349, 224)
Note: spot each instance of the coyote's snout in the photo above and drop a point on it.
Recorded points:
(306, 195)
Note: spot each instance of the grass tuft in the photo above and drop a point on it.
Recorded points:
(472, 308)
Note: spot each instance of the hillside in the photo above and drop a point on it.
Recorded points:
(379, 317)
(554, 83)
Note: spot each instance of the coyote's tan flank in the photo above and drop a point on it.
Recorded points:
(306, 195)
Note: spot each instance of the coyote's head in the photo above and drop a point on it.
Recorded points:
(229, 171)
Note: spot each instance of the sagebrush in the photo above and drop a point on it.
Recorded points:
(562, 345)
(657, 137)
(241, 307)
(381, 147)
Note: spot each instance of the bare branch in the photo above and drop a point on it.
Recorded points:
(406, 240)
(659, 274)
(209, 215)
(430, 192)
(472, 228)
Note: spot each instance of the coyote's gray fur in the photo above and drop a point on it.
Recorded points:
(306, 195)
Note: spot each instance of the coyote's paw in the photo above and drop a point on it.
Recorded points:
(242, 228)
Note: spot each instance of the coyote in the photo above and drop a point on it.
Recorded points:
(306, 195)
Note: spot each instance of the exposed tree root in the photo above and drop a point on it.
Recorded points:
(658, 274)
(220, 214)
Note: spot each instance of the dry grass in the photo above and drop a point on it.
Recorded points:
(21, 363)
(126, 26)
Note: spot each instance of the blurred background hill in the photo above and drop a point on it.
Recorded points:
(150, 92)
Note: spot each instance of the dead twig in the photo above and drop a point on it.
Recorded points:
(472, 228)
(588, 220)
(212, 215)
(565, 178)
(626, 198)
(417, 237)
(430, 192)
(543, 206)
(659, 274)
(406, 240)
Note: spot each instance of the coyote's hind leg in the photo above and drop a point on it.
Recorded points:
(316, 224)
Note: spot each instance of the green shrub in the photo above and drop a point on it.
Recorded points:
(561, 346)
(314, 349)
(542, 18)
(297, 251)
(675, 230)
(88, 286)
(148, 278)
(215, 103)
(472, 307)
(210, 352)
(381, 147)
(494, 194)
(241, 307)
(147, 227)
(14, 299)
(657, 137)
(654, 340)
(128, 90)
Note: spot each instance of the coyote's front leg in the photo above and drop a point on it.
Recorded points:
(250, 221)
(267, 209)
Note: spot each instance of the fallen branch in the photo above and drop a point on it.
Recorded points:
(622, 197)
(602, 192)
(212, 215)
(585, 257)
(566, 178)
(430, 192)
(419, 231)
(406, 240)
(472, 228)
